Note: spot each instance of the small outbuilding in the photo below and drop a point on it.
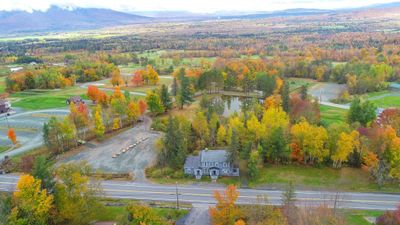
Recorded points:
(75, 99)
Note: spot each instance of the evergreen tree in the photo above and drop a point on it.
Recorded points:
(362, 112)
(165, 98)
(233, 151)
(276, 146)
(285, 93)
(304, 92)
(185, 91)
(175, 149)
(174, 87)
(42, 170)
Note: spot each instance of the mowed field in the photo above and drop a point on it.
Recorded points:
(331, 115)
(45, 99)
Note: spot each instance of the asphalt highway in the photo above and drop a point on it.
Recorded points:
(203, 194)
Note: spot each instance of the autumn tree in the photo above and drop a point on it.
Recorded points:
(221, 136)
(311, 140)
(79, 115)
(142, 106)
(116, 78)
(152, 75)
(200, 127)
(133, 111)
(31, 204)
(137, 78)
(346, 144)
(93, 93)
(154, 103)
(76, 198)
(141, 214)
(225, 212)
(12, 136)
(99, 128)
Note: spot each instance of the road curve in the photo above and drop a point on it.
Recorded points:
(203, 194)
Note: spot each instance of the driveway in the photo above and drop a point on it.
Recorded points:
(99, 155)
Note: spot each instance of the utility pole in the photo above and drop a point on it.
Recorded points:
(177, 195)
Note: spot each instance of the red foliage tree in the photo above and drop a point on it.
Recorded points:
(137, 78)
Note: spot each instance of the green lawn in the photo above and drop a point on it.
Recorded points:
(296, 83)
(331, 115)
(357, 217)
(345, 179)
(2, 85)
(388, 101)
(45, 99)
(4, 148)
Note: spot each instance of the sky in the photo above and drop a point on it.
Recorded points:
(198, 6)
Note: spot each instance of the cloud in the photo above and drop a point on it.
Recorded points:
(188, 5)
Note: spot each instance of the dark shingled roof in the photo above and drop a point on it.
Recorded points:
(192, 162)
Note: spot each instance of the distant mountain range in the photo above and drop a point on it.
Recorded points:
(59, 19)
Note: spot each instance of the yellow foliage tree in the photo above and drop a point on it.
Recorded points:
(311, 140)
(345, 145)
(152, 75)
(254, 128)
(221, 136)
(273, 118)
(31, 204)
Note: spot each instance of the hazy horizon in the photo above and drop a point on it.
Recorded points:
(195, 6)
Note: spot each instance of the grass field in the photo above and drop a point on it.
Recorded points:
(296, 83)
(388, 101)
(345, 179)
(357, 217)
(45, 99)
(2, 85)
(331, 115)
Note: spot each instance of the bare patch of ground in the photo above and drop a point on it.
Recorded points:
(99, 155)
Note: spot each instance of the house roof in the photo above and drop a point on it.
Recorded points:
(214, 156)
(192, 162)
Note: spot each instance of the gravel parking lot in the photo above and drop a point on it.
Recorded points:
(100, 154)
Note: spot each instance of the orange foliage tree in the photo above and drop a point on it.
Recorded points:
(225, 212)
(12, 136)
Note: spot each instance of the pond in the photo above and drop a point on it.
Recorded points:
(227, 105)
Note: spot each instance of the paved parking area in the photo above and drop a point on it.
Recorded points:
(100, 154)
(28, 127)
